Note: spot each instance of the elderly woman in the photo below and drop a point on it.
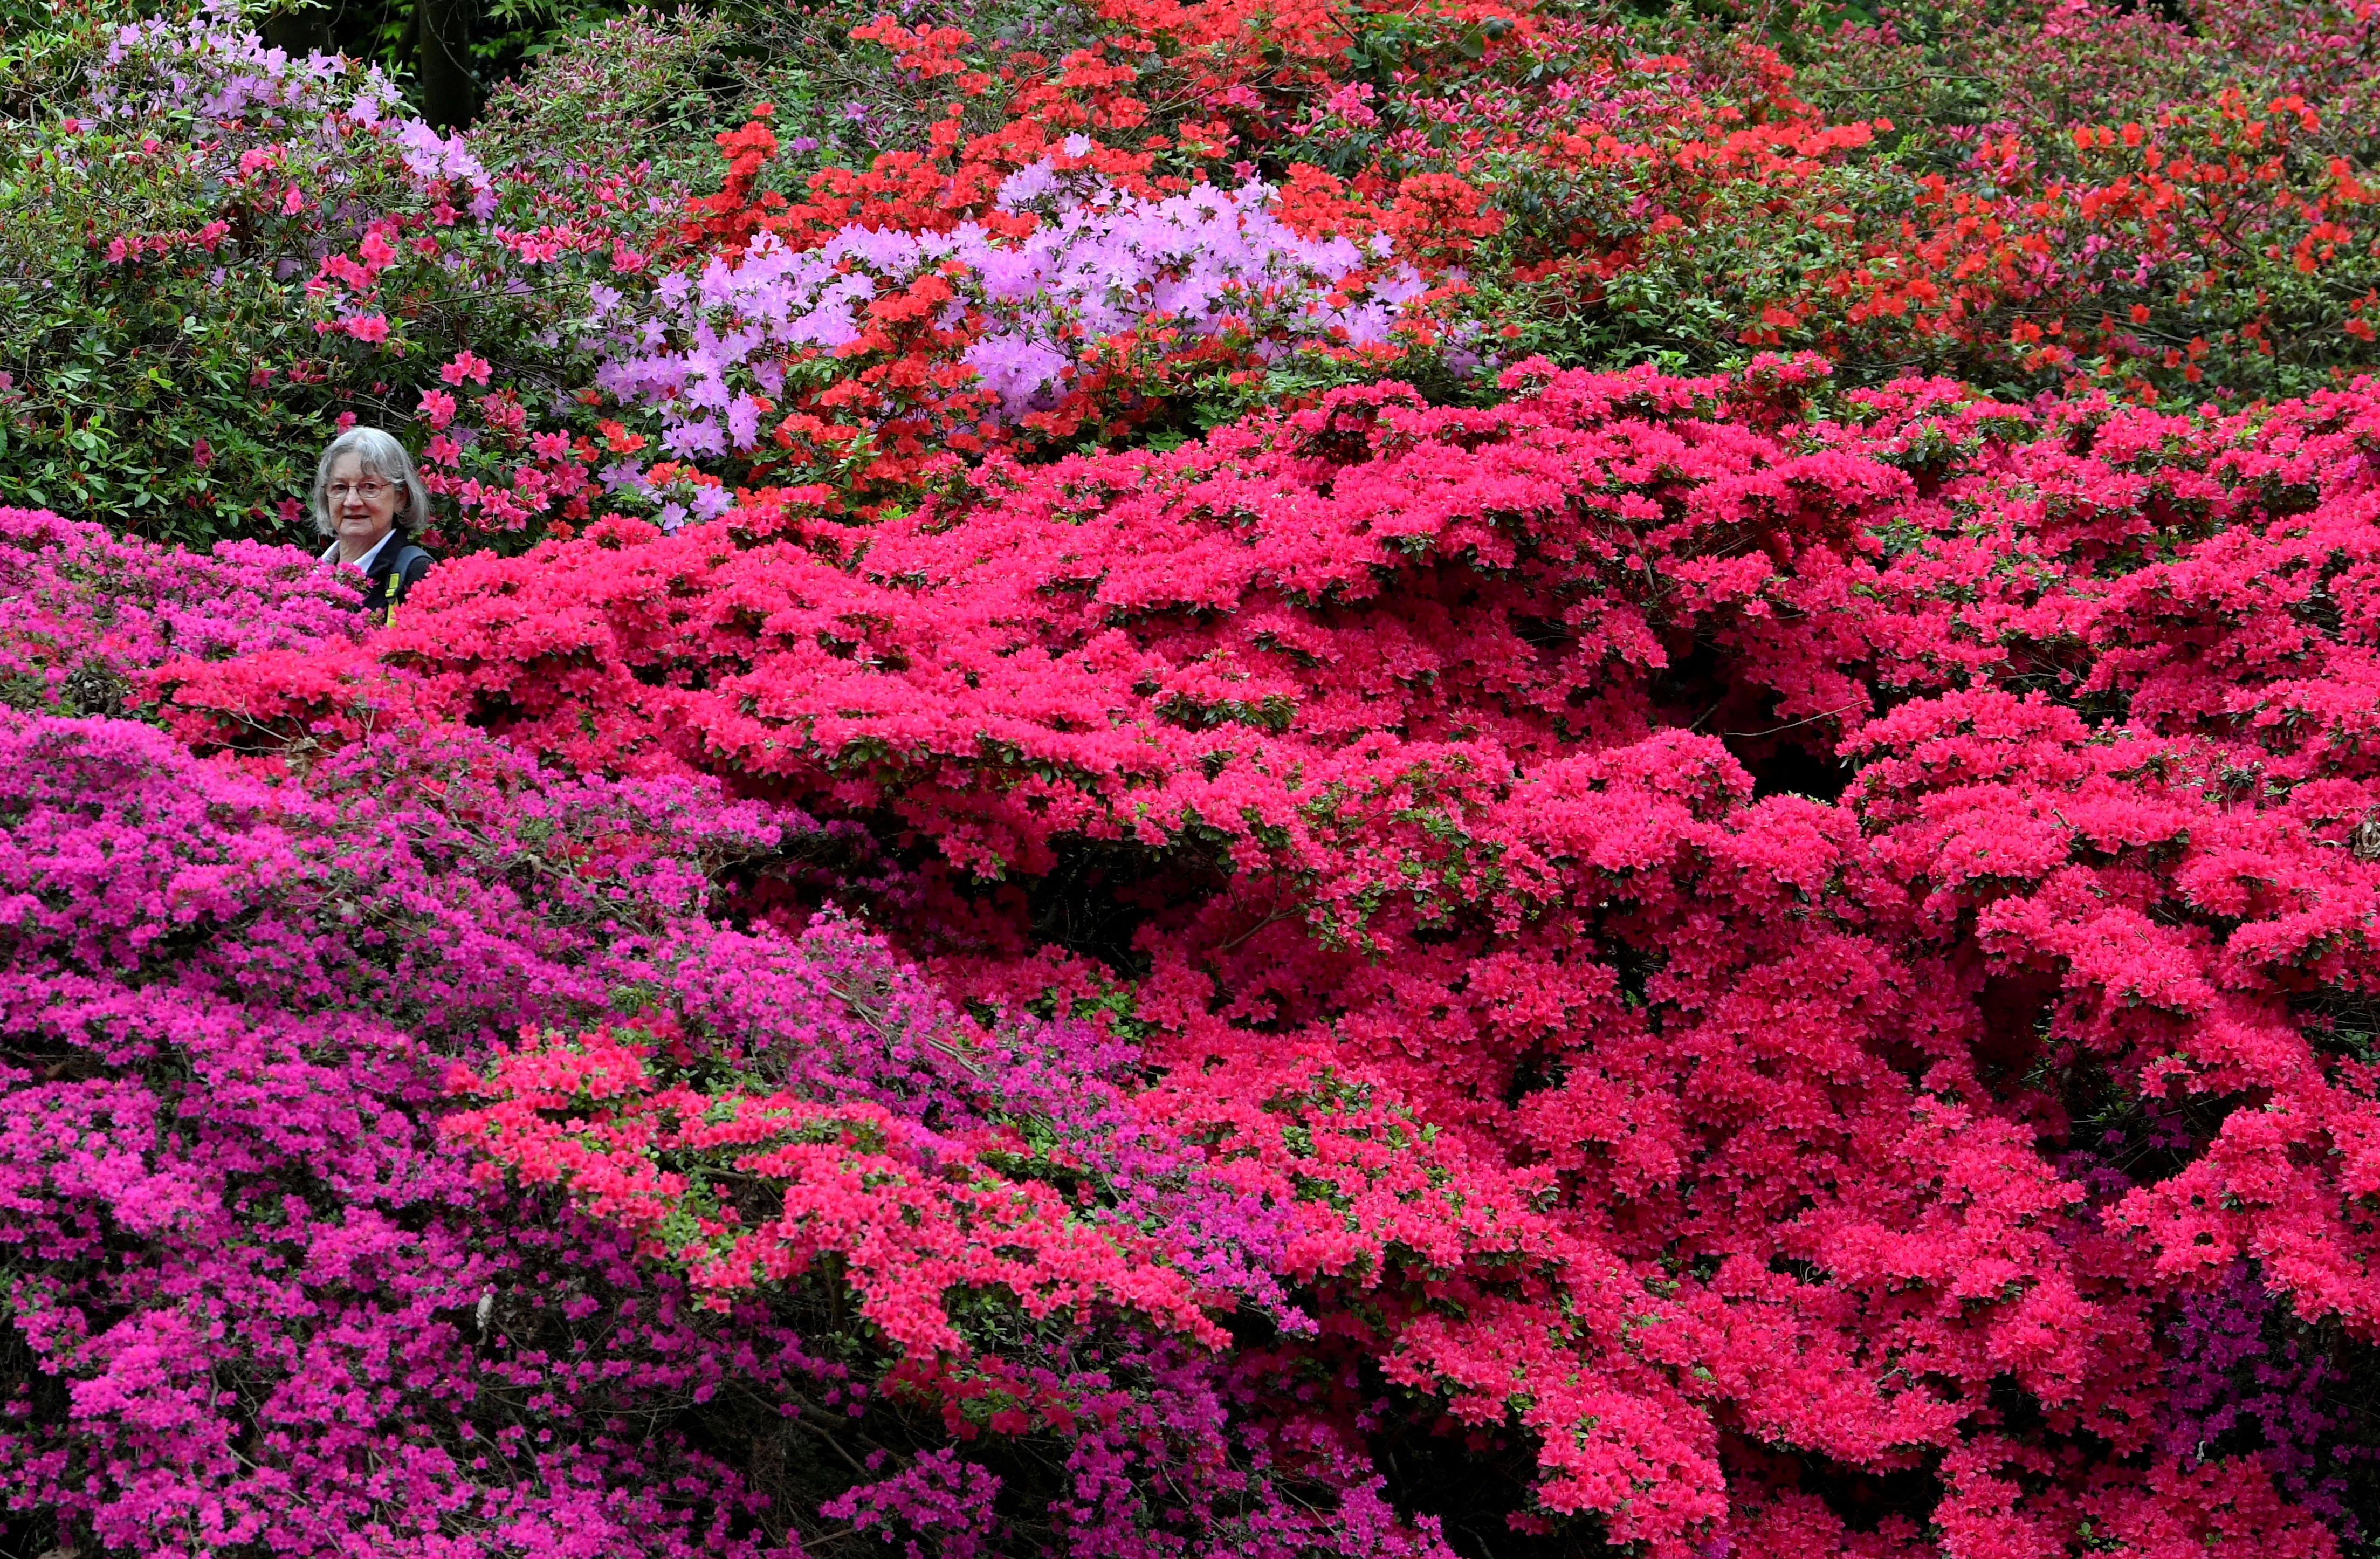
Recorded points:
(367, 496)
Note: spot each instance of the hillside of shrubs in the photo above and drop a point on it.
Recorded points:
(1197, 779)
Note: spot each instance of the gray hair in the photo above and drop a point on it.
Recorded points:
(380, 454)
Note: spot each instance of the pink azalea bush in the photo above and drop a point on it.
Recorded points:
(85, 614)
(244, 1003)
(1683, 895)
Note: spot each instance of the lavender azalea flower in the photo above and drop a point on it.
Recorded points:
(1204, 262)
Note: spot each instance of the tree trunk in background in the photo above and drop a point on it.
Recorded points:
(299, 33)
(443, 31)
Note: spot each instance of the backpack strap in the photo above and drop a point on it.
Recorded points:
(402, 570)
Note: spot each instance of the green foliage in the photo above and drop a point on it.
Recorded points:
(47, 50)
(169, 370)
(842, 103)
(132, 397)
(620, 90)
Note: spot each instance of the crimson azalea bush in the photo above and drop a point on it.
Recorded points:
(1882, 877)
(239, 1005)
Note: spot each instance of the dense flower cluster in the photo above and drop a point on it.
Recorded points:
(1449, 750)
(231, 1003)
(85, 614)
(899, 351)
(244, 1268)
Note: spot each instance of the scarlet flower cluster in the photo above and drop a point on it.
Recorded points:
(907, 1212)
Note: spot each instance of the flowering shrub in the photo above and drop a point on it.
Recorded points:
(234, 254)
(1760, 961)
(1388, 724)
(85, 615)
(260, 1298)
(234, 1001)
(2234, 1383)
(2118, 202)
(891, 351)
(1568, 190)
(1015, 1172)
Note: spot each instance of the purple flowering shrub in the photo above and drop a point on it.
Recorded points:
(2246, 1378)
(1039, 327)
(260, 1297)
(256, 1296)
(213, 66)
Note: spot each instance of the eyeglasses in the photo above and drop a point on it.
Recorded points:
(369, 491)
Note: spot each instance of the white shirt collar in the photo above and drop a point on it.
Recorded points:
(365, 562)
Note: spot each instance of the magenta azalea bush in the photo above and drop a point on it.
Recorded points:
(241, 1253)
(269, 1304)
(86, 613)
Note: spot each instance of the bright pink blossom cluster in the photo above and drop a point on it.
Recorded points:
(85, 614)
(1764, 831)
(259, 1304)
(906, 1213)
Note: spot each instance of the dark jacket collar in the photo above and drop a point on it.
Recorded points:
(390, 550)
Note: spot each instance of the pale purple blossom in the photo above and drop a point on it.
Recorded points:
(1205, 261)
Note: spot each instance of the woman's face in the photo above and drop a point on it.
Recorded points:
(363, 505)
